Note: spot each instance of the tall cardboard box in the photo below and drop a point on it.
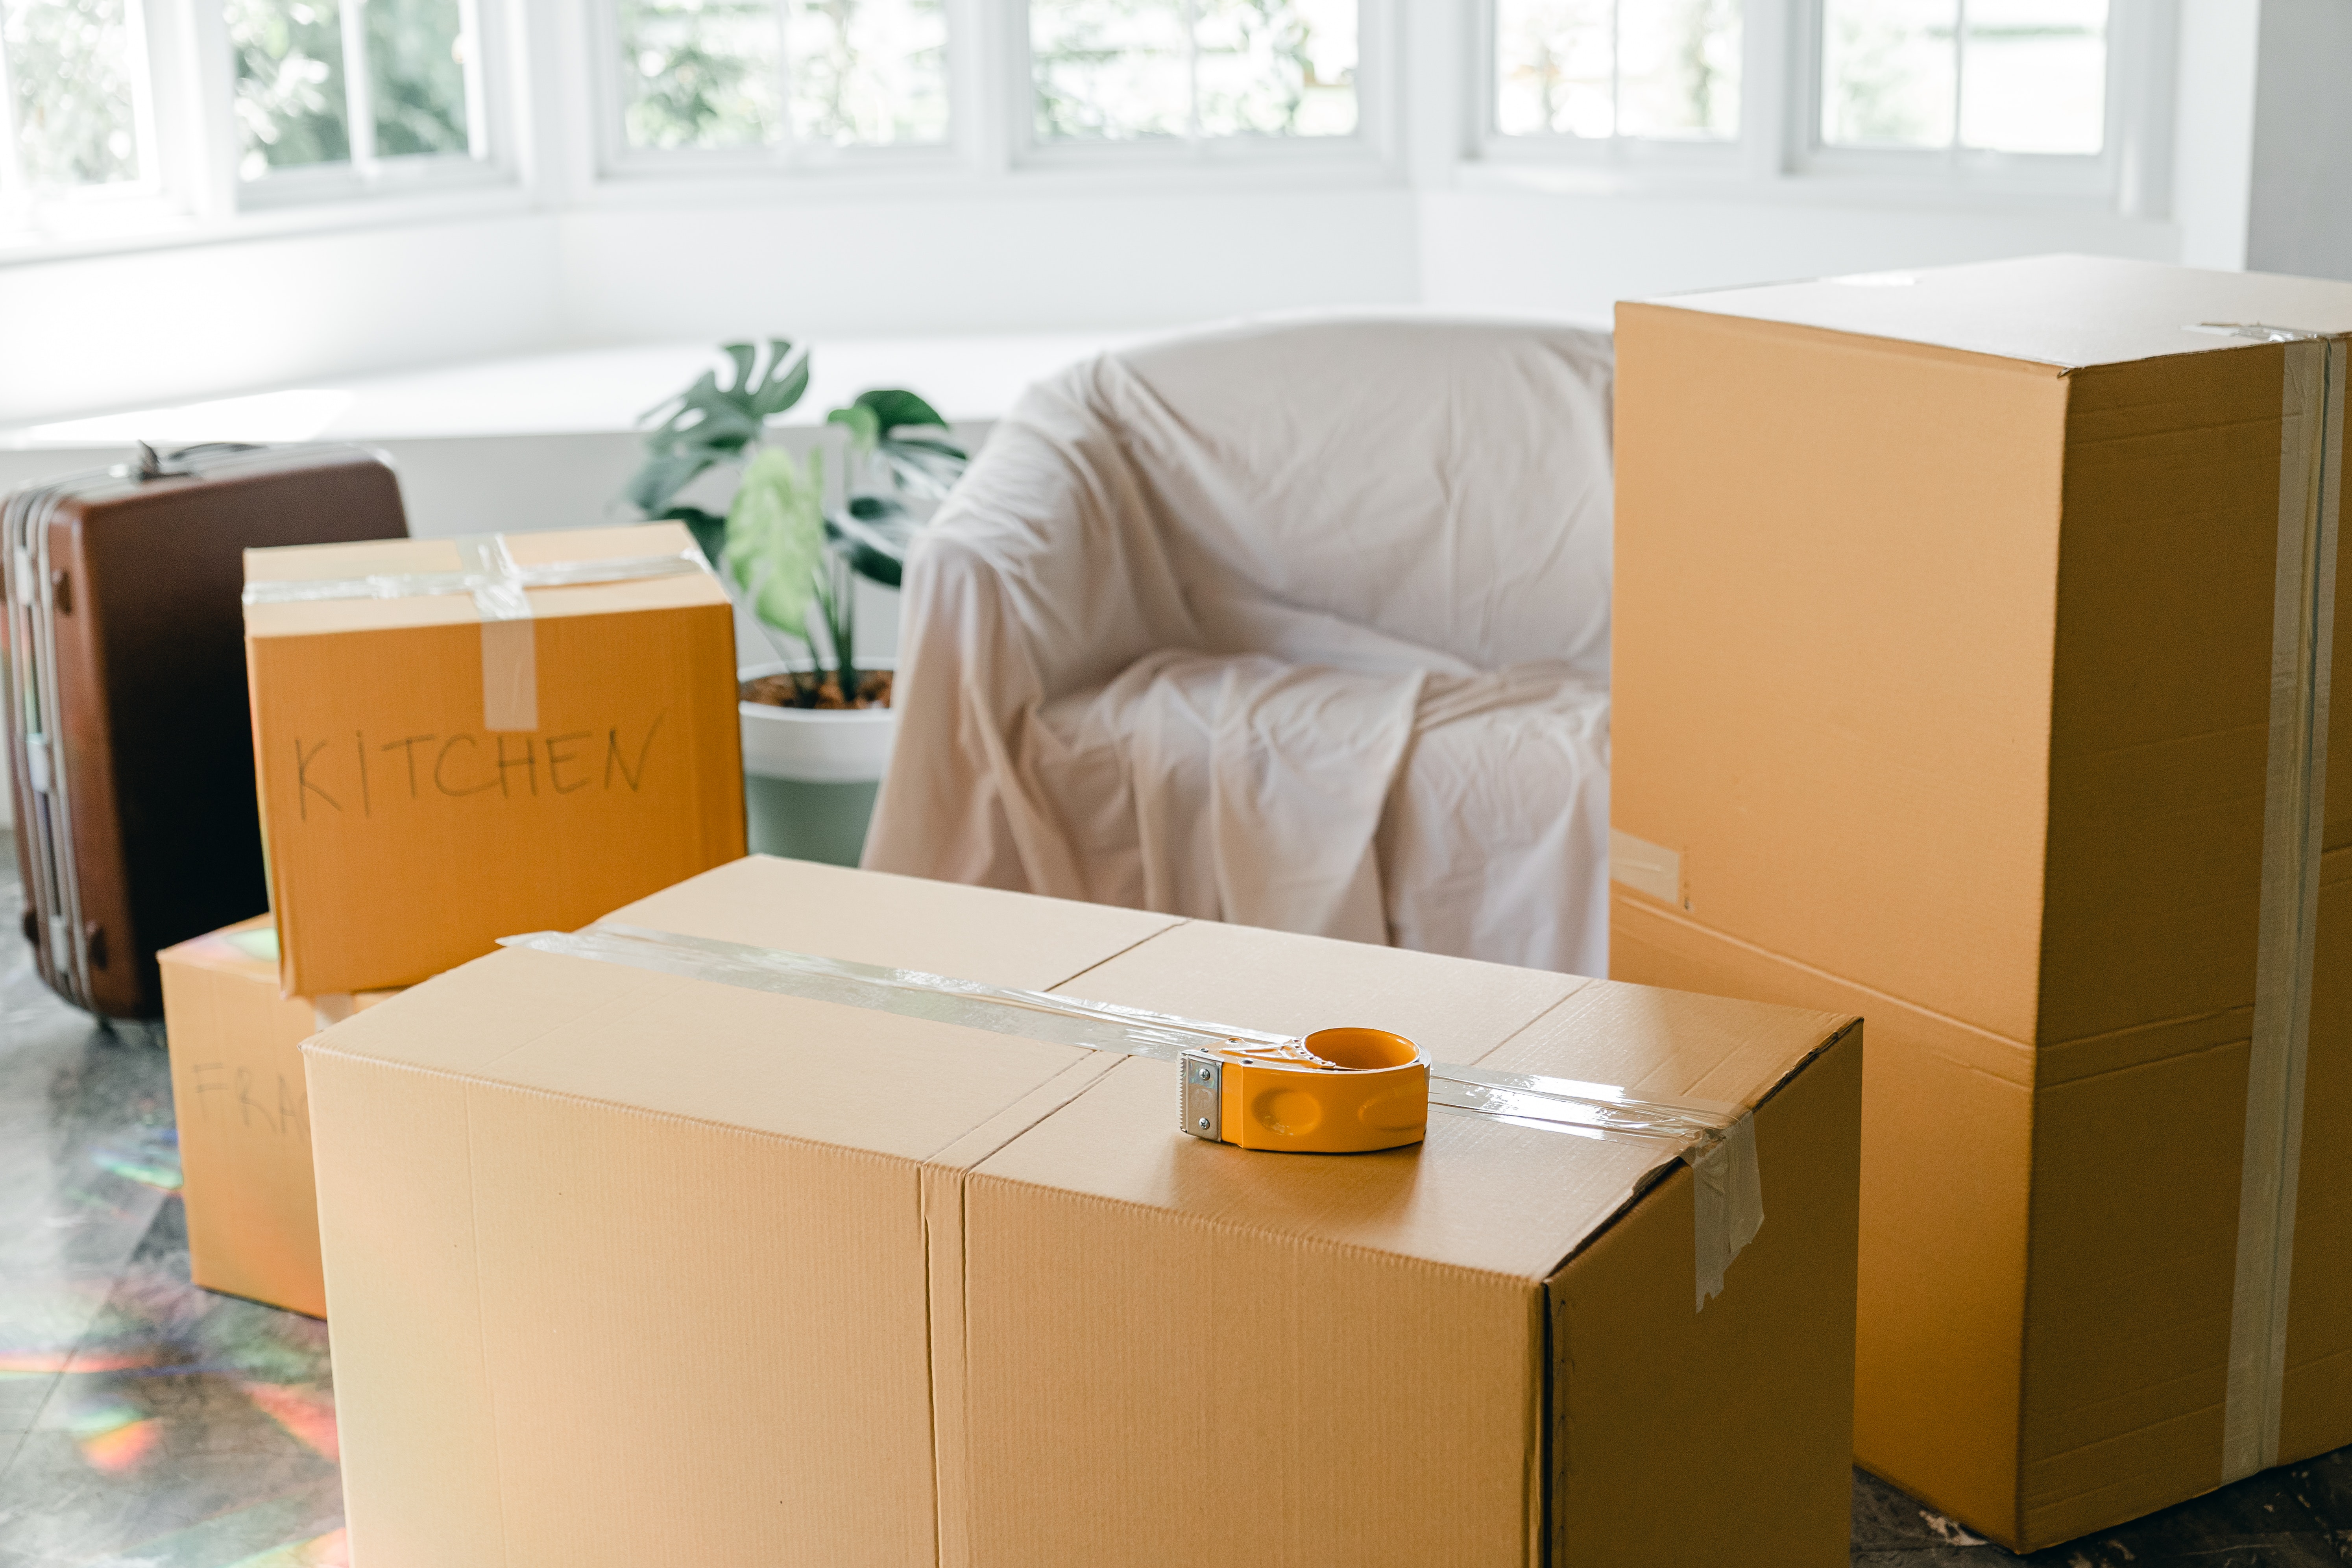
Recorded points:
(458, 739)
(636, 1266)
(244, 1114)
(1975, 632)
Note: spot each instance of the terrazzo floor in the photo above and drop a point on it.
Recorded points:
(147, 1423)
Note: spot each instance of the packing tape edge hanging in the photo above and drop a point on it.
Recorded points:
(509, 635)
(1716, 1139)
(2312, 398)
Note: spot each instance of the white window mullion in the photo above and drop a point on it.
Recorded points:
(787, 136)
(12, 163)
(1192, 130)
(358, 88)
(477, 109)
(1960, 74)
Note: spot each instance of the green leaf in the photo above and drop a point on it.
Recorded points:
(709, 424)
(895, 408)
(775, 538)
(651, 487)
(865, 428)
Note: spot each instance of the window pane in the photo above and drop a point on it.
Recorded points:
(2036, 76)
(69, 63)
(868, 71)
(1276, 67)
(1553, 68)
(1678, 67)
(416, 70)
(289, 83)
(699, 73)
(1887, 72)
(1110, 67)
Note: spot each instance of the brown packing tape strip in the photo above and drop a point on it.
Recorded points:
(488, 573)
(1716, 1139)
(2311, 464)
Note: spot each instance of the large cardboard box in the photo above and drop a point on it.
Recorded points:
(631, 1267)
(244, 1115)
(1974, 636)
(438, 768)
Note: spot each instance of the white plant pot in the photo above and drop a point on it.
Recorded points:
(816, 746)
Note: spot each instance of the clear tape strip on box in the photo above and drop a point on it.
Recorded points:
(1716, 1139)
(499, 586)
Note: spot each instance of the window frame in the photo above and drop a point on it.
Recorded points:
(366, 177)
(616, 162)
(1780, 149)
(31, 214)
(1674, 157)
(1373, 142)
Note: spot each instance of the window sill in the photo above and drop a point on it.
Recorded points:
(494, 196)
(1577, 178)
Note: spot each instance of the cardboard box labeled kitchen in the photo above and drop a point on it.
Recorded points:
(632, 1266)
(1974, 633)
(244, 1115)
(456, 739)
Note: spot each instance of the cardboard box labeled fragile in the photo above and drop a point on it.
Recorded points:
(633, 1267)
(244, 1115)
(449, 751)
(1975, 631)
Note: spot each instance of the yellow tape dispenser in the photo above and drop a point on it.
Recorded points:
(1337, 1092)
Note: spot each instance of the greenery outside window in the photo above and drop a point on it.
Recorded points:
(333, 96)
(780, 79)
(1193, 71)
(78, 113)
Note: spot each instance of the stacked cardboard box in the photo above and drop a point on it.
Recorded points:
(244, 1114)
(1974, 633)
(438, 769)
(454, 740)
(632, 1266)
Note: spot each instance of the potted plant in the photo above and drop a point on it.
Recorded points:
(817, 724)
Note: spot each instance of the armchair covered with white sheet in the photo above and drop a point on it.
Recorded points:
(1301, 625)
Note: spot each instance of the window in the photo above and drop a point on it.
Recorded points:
(2001, 76)
(1122, 70)
(355, 90)
(75, 75)
(766, 77)
(1599, 69)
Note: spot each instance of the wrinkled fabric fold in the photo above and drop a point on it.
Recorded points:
(1301, 626)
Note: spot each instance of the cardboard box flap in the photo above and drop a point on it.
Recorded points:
(1478, 1194)
(776, 1064)
(406, 557)
(905, 922)
(1670, 1045)
(2065, 310)
(1456, 1009)
(247, 949)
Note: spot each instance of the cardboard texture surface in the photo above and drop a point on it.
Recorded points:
(859, 1287)
(409, 826)
(244, 1115)
(1944, 642)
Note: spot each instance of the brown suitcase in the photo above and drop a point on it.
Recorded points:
(130, 741)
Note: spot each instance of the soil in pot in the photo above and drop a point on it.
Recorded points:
(783, 692)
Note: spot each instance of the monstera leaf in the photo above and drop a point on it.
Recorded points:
(709, 423)
(776, 537)
(897, 424)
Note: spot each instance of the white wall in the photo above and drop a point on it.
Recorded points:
(1577, 255)
(2300, 218)
(152, 325)
(1015, 262)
